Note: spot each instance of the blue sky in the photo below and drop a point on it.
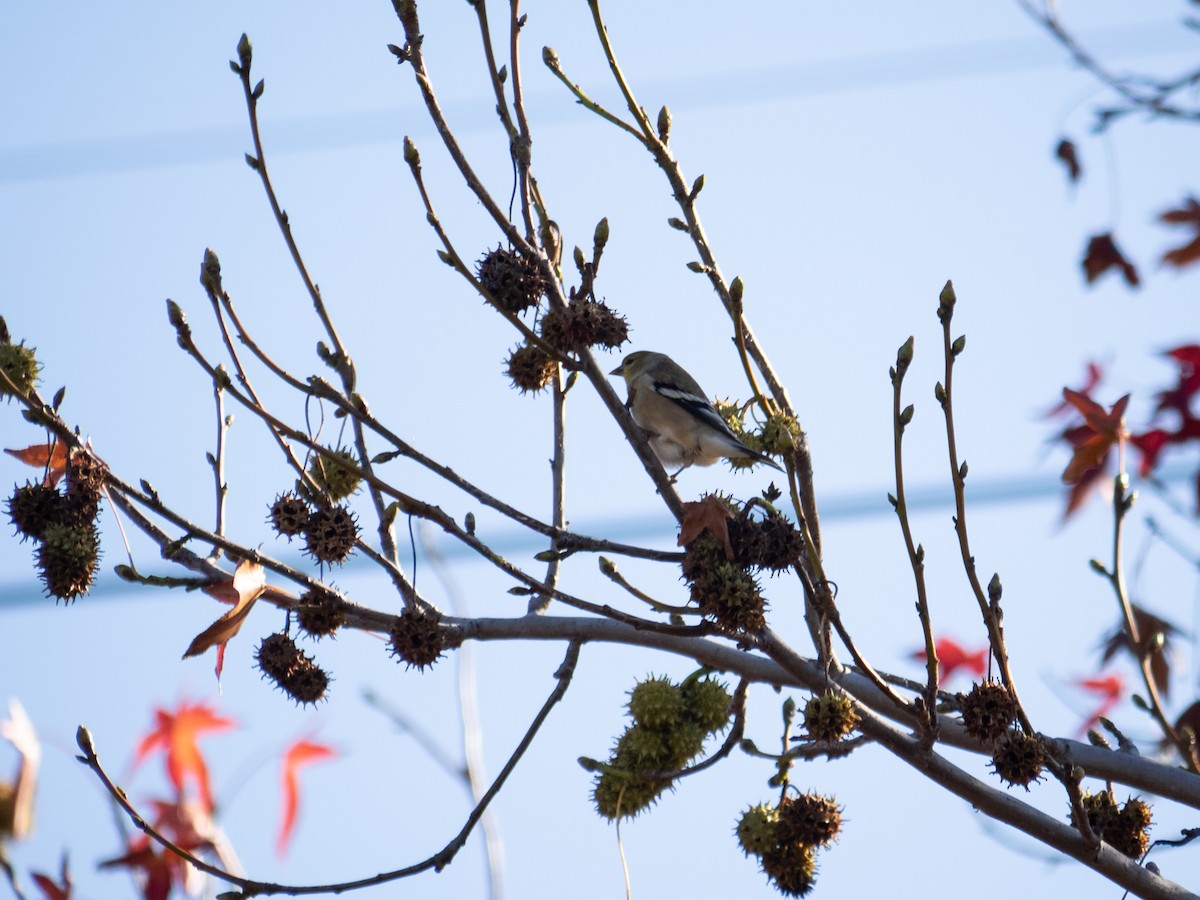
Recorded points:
(855, 158)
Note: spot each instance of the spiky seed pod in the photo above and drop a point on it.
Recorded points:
(701, 556)
(308, 684)
(335, 482)
(810, 819)
(616, 794)
(642, 750)
(530, 369)
(779, 435)
(757, 830)
(656, 702)
(329, 534)
(1018, 758)
(1130, 835)
(829, 717)
(277, 657)
(514, 282)
(67, 559)
(417, 638)
(988, 710)
(85, 486)
(770, 543)
(1123, 828)
(20, 364)
(34, 507)
(729, 596)
(289, 514)
(320, 614)
(584, 323)
(792, 868)
(706, 701)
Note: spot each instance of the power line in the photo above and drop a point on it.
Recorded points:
(769, 84)
(836, 510)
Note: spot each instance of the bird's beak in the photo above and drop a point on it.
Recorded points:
(619, 370)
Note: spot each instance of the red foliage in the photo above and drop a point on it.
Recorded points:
(298, 755)
(953, 656)
(177, 732)
(1102, 254)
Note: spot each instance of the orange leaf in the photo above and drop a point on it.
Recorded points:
(177, 732)
(1092, 442)
(953, 656)
(1110, 688)
(708, 514)
(300, 754)
(248, 584)
(51, 457)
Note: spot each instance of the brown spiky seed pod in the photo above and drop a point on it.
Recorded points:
(530, 369)
(85, 486)
(810, 819)
(67, 559)
(1123, 828)
(34, 507)
(792, 868)
(293, 671)
(289, 514)
(1018, 758)
(987, 710)
(771, 543)
(584, 323)
(514, 282)
(417, 638)
(829, 717)
(320, 614)
(329, 534)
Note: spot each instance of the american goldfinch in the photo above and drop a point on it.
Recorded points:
(682, 425)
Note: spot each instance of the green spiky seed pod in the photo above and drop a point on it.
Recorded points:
(616, 794)
(417, 638)
(780, 434)
(329, 534)
(530, 369)
(757, 830)
(584, 323)
(707, 703)
(829, 717)
(810, 819)
(68, 558)
(20, 364)
(685, 741)
(641, 751)
(514, 282)
(34, 507)
(1018, 759)
(85, 487)
(335, 482)
(792, 868)
(289, 514)
(656, 702)
(320, 614)
(988, 710)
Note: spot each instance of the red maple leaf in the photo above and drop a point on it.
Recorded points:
(1110, 688)
(1187, 215)
(1102, 254)
(176, 732)
(156, 868)
(1091, 380)
(51, 889)
(953, 656)
(52, 458)
(299, 754)
(1100, 433)
(710, 515)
